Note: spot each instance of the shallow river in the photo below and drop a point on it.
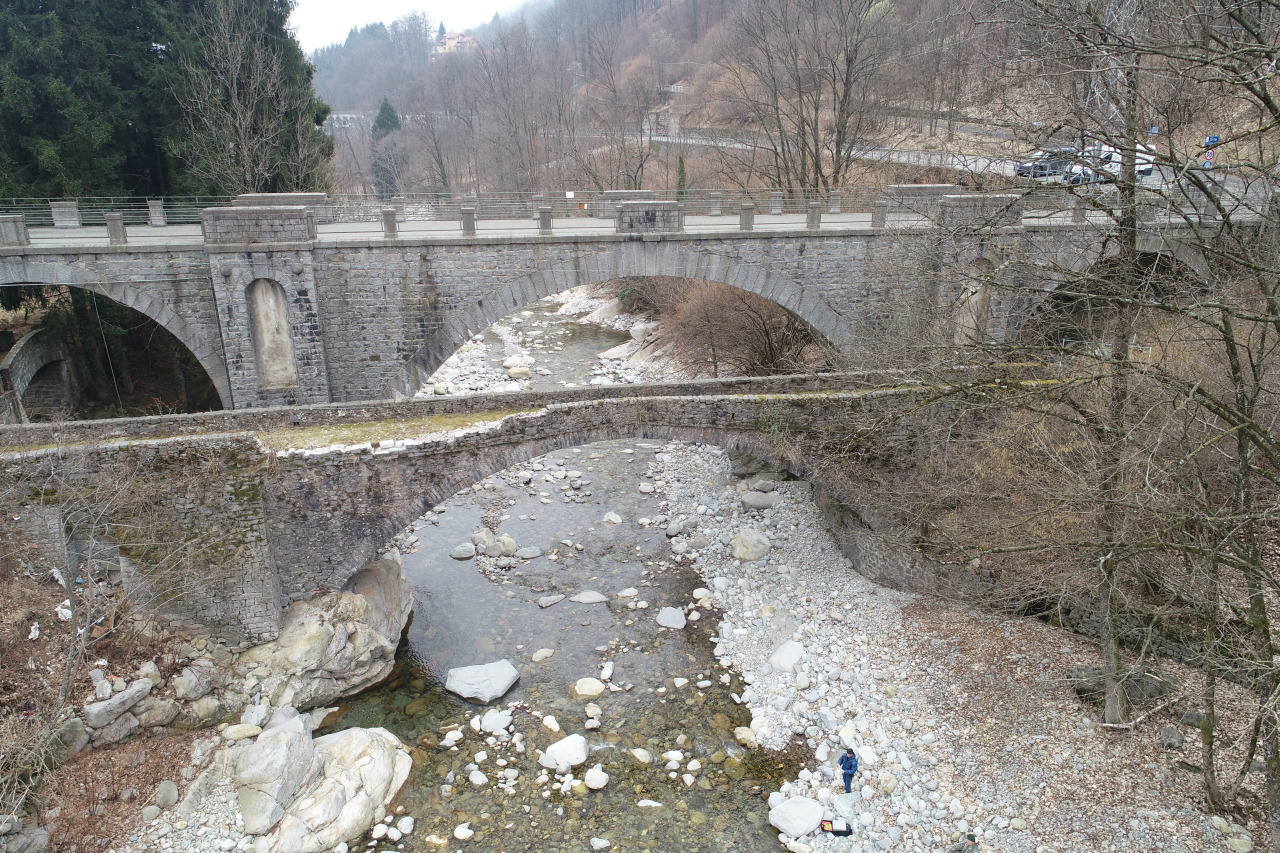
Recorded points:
(464, 617)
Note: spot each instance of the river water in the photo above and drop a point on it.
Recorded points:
(668, 691)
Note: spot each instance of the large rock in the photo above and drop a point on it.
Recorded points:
(761, 500)
(671, 617)
(154, 711)
(750, 545)
(786, 656)
(270, 771)
(355, 771)
(338, 643)
(485, 682)
(117, 730)
(99, 714)
(565, 753)
(194, 682)
(796, 817)
(848, 806)
(70, 738)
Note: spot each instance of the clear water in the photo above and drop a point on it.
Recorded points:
(463, 617)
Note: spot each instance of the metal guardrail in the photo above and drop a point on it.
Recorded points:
(447, 206)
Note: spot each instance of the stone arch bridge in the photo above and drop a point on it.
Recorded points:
(289, 521)
(282, 311)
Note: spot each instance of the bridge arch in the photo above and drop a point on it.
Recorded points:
(596, 264)
(32, 357)
(207, 352)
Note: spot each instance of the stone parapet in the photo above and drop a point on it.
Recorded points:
(318, 203)
(258, 225)
(649, 217)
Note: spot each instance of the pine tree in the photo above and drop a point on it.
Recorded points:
(387, 122)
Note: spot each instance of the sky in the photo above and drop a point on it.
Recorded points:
(322, 22)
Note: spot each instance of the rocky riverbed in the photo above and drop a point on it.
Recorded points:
(568, 339)
(669, 625)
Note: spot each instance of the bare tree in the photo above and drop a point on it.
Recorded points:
(250, 115)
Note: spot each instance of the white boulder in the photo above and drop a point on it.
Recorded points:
(484, 682)
(565, 753)
(750, 545)
(338, 643)
(786, 656)
(796, 817)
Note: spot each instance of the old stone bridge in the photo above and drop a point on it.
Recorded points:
(263, 507)
(281, 309)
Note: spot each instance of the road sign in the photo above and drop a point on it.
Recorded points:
(1208, 164)
(1208, 155)
(1210, 141)
(1154, 130)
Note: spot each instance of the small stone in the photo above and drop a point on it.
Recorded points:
(405, 825)
(150, 813)
(1170, 738)
(465, 551)
(588, 688)
(599, 843)
(750, 545)
(463, 831)
(528, 553)
(475, 777)
(746, 737)
(548, 600)
(542, 654)
(596, 778)
(612, 518)
(589, 596)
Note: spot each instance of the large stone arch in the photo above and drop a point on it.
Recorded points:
(598, 263)
(207, 352)
(380, 521)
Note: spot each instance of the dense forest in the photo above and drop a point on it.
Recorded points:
(155, 97)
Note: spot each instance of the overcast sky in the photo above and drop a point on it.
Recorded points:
(323, 22)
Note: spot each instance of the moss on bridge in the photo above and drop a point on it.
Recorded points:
(311, 437)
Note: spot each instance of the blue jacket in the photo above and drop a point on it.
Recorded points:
(848, 763)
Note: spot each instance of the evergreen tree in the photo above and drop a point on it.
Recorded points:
(387, 122)
(680, 177)
(85, 100)
(440, 33)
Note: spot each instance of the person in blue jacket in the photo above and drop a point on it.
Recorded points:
(849, 765)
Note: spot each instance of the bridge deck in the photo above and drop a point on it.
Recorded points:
(346, 233)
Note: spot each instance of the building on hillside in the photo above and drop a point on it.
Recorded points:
(457, 42)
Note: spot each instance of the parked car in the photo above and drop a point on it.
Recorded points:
(1047, 164)
(1102, 163)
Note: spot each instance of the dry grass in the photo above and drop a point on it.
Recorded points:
(303, 438)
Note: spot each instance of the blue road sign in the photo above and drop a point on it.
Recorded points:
(1154, 130)
(1210, 141)
(1208, 164)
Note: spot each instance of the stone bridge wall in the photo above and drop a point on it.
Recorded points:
(372, 317)
(282, 526)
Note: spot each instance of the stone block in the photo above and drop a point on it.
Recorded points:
(13, 230)
(116, 235)
(648, 217)
(258, 225)
(66, 214)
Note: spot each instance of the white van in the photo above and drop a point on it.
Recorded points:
(1102, 163)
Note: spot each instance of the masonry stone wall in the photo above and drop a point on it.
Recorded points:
(372, 317)
(24, 360)
(279, 528)
(258, 224)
